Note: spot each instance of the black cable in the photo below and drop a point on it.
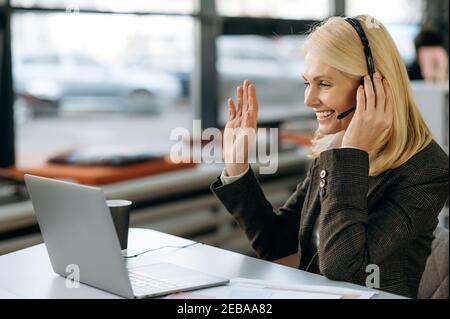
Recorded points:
(168, 246)
(311, 261)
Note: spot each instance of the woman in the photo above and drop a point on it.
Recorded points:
(377, 181)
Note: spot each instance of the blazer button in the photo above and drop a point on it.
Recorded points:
(323, 183)
(323, 192)
(323, 173)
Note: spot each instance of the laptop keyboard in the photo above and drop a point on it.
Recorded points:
(145, 284)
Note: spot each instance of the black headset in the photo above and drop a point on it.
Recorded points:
(367, 52)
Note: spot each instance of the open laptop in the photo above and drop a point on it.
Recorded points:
(78, 229)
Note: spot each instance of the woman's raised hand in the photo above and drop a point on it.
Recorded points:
(241, 129)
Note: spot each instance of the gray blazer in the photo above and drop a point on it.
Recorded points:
(387, 220)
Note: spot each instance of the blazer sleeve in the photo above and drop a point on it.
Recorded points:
(273, 235)
(352, 239)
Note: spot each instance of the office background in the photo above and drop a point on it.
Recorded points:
(120, 75)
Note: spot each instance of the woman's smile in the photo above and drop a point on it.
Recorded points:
(323, 116)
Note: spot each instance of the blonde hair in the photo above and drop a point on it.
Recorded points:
(337, 44)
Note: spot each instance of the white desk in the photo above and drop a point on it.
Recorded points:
(28, 273)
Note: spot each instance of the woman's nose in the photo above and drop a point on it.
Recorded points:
(311, 99)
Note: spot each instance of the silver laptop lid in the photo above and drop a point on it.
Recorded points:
(77, 228)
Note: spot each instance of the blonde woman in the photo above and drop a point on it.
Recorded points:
(377, 181)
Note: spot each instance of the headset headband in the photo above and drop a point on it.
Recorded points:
(367, 51)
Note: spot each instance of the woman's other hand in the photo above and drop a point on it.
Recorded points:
(373, 114)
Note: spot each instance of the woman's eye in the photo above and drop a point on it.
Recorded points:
(320, 84)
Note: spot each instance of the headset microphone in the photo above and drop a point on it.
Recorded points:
(346, 113)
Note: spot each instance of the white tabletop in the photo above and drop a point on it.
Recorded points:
(28, 273)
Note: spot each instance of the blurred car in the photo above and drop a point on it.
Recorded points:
(274, 66)
(53, 80)
(180, 65)
(278, 79)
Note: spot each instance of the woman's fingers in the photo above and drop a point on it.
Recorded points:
(370, 94)
(380, 93)
(253, 99)
(231, 109)
(360, 101)
(247, 108)
(240, 99)
(253, 105)
(246, 85)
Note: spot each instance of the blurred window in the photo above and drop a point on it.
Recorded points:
(172, 6)
(273, 64)
(402, 20)
(400, 11)
(96, 79)
(86, 79)
(42, 59)
(285, 9)
(81, 60)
